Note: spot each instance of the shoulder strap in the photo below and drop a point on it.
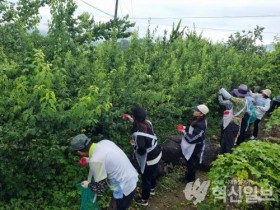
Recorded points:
(138, 133)
(150, 123)
(89, 176)
(238, 113)
(153, 137)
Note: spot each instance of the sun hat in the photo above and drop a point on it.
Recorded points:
(242, 91)
(267, 92)
(201, 108)
(80, 142)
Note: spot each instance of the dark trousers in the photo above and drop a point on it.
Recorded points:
(256, 128)
(229, 135)
(243, 129)
(148, 180)
(124, 203)
(192, 163)
(221, 133)
(274, 105)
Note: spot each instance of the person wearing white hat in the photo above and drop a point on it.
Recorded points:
(262, 104)
(193, 140)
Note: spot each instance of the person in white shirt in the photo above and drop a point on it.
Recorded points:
(108, 163)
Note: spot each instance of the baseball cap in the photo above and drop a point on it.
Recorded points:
(201, 108)
(80, 142)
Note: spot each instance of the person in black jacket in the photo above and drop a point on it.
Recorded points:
(193, 140)
(275, 104)
(147, 152)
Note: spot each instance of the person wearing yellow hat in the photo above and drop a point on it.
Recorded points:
(108, 165)
(193, 140)
(262, 104)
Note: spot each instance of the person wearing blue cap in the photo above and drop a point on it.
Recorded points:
(108, 164)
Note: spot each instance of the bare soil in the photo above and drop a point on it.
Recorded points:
(169, 197)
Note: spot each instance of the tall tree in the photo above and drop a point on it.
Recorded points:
(247, 41)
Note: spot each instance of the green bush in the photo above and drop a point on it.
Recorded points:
(56, 86)
(252, 164)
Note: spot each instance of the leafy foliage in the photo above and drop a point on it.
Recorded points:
(254, 163)
(64, 83)
(246, 41)
(114, 28)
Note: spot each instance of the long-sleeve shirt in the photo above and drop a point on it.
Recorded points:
(239, 106)
(262, 104)
(196, 134)
(227, 103)
(144, 142)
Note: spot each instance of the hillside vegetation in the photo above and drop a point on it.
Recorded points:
(56, 86)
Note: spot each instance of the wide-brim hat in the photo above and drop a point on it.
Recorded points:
(242, 91)
(267, 92)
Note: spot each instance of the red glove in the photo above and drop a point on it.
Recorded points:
(83, 161)
(125, 116)
(180, 128)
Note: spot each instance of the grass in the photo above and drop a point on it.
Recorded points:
(169, 193)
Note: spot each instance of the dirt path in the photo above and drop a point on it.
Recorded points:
(169, 193)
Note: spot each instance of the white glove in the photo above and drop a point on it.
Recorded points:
(225, 94)
(132, 142)
(85, 184)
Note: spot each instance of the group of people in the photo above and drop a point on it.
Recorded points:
(242, 108)
(109, 165)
